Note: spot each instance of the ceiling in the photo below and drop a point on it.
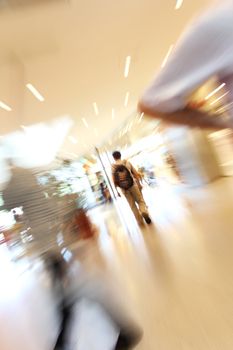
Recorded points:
(74, 51)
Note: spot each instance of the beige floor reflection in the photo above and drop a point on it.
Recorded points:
(176, 274)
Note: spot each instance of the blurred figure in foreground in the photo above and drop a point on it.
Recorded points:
(204, 51)
(39, 213)
(72, 283)
(128, 180)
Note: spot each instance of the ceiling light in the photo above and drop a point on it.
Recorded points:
(113, 114)
(221, 110)
(72, 139)
(215, 90)
(85, 123)
(127, 65)
(4, 106)
(130, 126)
(35, 92)
(219, 98)
(141, 116)
(225, 108)
(179, 3)
(126, 128)
(124, 132)
(126, 99)
(95, 108)
(167, 56)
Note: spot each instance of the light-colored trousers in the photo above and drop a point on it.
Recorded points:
(136, 202)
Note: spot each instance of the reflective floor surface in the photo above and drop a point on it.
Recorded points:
(175, 275)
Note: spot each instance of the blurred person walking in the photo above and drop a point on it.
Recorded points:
(204, 51)
(126, 177)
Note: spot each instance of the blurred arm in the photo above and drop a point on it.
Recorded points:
(186, 116)
(202, 52)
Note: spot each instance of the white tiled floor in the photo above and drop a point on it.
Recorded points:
(176, 275)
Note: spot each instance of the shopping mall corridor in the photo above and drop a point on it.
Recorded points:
(175, 275)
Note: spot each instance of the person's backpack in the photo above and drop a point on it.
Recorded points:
(122, 177)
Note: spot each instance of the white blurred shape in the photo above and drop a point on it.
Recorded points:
(102, 336)
(36, 146)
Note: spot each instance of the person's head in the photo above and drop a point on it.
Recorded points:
(116, 155)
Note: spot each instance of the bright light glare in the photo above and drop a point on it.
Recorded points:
(214, 91)
(127, 65)
(85, 122)
(4, 106)
(95, 108)
(167, 56)
(27, 148)
(179, 3)
(219, 98)
(126, 99)
(35, 92)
